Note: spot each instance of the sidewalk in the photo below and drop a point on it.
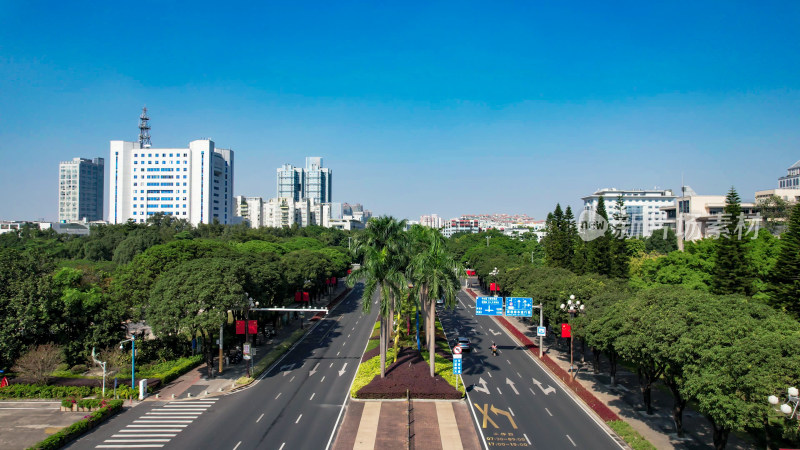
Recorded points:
(625, 399)
(196, 383)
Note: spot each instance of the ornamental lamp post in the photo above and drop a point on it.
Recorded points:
(573, 307)
(793, 400)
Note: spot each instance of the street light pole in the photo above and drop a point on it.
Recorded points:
(573, 307)
(132, 340)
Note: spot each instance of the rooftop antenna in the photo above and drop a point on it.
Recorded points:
(144, 130)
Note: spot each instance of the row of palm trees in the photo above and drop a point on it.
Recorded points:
(405, 267)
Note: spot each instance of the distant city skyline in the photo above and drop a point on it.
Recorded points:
(418, 108)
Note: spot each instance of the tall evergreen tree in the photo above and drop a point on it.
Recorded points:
(620, 234)
(785, 276)
(556, 252)
(570, 234)
(598, 250)
(732, 274)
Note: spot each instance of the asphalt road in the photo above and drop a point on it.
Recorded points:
(514, 401)
(295, 405)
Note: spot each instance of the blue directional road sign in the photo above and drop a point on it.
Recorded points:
(541, 331)
(519, 306)
(457, 364)
(489, 306)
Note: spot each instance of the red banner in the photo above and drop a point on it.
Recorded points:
(252, 326)
(298, 296)
(566, 330)
(306, 297)
(494, 287)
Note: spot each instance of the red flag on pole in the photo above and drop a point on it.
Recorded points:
(306, 297)
(566, 330)
(252, 326)
(298, 296)
(240, 327)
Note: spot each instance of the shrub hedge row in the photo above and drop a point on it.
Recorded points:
(71, 432)
(39, 391)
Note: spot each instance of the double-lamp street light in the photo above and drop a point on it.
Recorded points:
(573, 307)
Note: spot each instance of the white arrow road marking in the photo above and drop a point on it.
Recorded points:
(341, 372)
(314, 370)
(509, 382)
(483, 389)
(544, 391)
(494, 332)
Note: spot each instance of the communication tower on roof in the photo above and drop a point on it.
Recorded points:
(144, 130)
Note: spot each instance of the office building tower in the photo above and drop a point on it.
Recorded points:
(641, 209)
(80, 190)
(313, 182)
(194, 183)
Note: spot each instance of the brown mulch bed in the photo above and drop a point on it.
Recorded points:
(371, 354)
(410, 373)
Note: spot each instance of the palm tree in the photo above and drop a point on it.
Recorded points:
(434, 273)
(381, 249)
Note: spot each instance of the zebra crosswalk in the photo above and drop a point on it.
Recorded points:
(158, 426)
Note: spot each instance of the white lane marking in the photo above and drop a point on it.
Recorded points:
(143, 435)
(164, 420)
(177, 430)
(259, 418)
(331, 365)
(282, 446)
(526, 438)
(519, 375)
(237, 445)
(123, 441)
(489, 373)
(512, 412)
(157, 426)
(548, 412)
(508, 361)
(312, 396)
(337, 353)
(279, 394)
(348, 336)
(323, 379)
(531, 389)
(298, 418)
(291, 379)
(131, 446)
(573, 442)
(498, 390)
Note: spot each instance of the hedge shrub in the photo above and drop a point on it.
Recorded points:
(75, 430)
(41, 391)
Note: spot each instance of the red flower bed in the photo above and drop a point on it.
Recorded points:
(410, 373)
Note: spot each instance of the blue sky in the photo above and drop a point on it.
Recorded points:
(417, 107)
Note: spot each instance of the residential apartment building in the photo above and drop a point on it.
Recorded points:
(642, 208)
(80, 189)
(250, 209)
(194, 183)
(313, 182)
(460, 225)
(431, 221)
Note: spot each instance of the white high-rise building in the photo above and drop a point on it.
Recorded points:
(313, 183)
(194, 183)
(642, 208)
(792, 178)
(80, 190)
(250, 209)
(431, 221)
